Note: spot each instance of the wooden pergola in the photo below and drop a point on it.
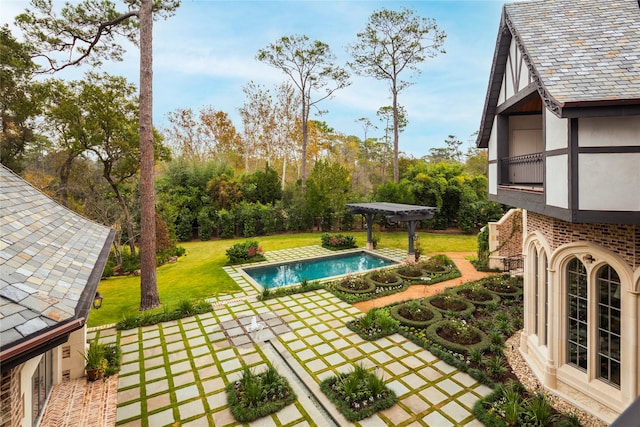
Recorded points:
(396, 212)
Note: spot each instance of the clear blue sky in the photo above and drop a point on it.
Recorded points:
(206, 52)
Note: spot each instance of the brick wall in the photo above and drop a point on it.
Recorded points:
(510, 235)
(624, 240)
(11, 402)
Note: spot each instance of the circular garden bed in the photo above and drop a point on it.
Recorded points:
(477, 294)
(503, 286)
(457, 335)
(410, 273)
(415, 314)
(384, 278)
(450, 303)
(355, 285)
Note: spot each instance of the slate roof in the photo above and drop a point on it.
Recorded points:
(51, 260)
(581, 54)
(582, 50)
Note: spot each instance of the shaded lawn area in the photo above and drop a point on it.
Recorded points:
(199, 273)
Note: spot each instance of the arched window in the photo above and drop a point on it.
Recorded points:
(577, 330)
(609, 326)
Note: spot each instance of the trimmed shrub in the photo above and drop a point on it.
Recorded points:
(383, 278)
(358, 394)
(256, 395)
(355, 285)
(375, 324)
(248, 251)
(483, 341)
(338, 241)
(414, 314)
(448, 303)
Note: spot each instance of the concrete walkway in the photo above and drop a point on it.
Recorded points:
(174, 373)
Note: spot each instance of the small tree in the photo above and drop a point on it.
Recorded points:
(391, 43)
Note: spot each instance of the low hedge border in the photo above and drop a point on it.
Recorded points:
(463, 313)
(350, 415)
(289, 290)
(398, 281)
(433, 336)
(184, 308)
(354, 298)
(370, 288)
(393, 311)
(511, 295)
(495, 297)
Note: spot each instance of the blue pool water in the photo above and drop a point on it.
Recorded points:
(273, 276)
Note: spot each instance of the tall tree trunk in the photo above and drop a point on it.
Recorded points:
(64, 173)
(148, 287)
(396, 172)
(305, 137)
(284, 171)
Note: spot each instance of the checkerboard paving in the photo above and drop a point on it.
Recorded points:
(177, 371)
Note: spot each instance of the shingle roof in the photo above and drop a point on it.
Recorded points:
(49, 257)
(582, 50)
(581, 53)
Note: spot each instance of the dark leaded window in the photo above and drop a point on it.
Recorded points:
(543, 336)
(536, 328)
(609, 326)
(577, 314)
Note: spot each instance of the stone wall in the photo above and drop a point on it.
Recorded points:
(11, 402)
(624, 240)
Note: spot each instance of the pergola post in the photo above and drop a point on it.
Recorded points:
(411, 229)
(369, 218)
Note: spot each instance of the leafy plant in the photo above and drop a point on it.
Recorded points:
(256, 395)
(248, 251)
(538, 411)
(358, 394)
(338, 241)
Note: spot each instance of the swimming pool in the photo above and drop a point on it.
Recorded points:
(290, 273)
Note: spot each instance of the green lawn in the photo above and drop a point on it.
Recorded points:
(199, 274)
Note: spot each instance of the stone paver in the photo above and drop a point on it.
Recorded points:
(188, 362)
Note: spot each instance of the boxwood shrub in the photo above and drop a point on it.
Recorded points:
(433, 336)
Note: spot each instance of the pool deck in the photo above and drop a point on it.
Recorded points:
(174, 373)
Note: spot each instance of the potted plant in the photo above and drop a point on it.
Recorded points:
(95, 360)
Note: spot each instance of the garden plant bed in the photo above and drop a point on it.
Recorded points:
(355, 285)
(485, 360)
(358, 394)
(450, 303)
(477, 294)
(384, 278)
(256, 395)
(376, 323)
(414, 313)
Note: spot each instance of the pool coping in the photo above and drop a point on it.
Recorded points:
(241, 268)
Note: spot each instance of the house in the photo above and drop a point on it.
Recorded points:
(51, 260)
(561, 122)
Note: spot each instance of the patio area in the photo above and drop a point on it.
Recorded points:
(175, 372)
